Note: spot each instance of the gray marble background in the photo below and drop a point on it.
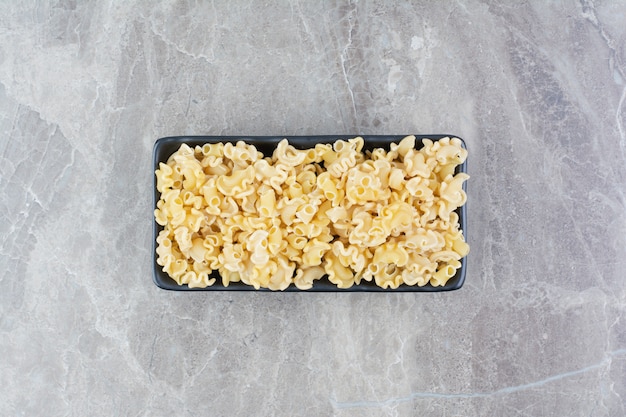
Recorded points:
(538, 93)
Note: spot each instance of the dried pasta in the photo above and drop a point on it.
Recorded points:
(299, 215)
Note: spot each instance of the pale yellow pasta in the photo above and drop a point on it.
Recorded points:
(288, 155)
(361, 225)
(418, 188)
(241, 154)
(257, 244)
(335, 214)
(297, 215)
(229, 207)
(341, 276)
(362, 187)
(183, 239)
(391, 254)
(304, 278)
(283, 276)
(267, 203)
(325, 152)
(164, 176)
(404, 146)
(396, 179)
(415, 164)
(306, 212)
(236, 184)
(345, 252)
(307, 180)
(294, 190)
(297, 242)
(444, 171)
(248, 203)
(216, 167)
(419, 270)
(451, 189)
(212, 253)
(341, 164)
(193, 175)
(280, 178)
(228, 276)
(329, 187)
(184, 152)
(397, 217)
(232, 257)
(444, 256)
(212, 197)
(251, 223)
(444, 209)
(381, 169)
(292, 253)
(258, 277)
(308, 230)
(275, 241)
(377, 233)
(178, 268)
(460, 247)
(314, 251)
(288, 208)
(378, 154)
(212, 149)
(193, 220)
(347, 155)
(388, 276)
(159, 215)
(443, 275)
(264, 170)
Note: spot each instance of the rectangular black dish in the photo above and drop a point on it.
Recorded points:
(165, 147)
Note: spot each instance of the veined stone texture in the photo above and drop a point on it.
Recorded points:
(538, 92)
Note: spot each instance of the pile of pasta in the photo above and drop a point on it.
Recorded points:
(294, 217)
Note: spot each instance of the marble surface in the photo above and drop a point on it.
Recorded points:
(538, 93)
